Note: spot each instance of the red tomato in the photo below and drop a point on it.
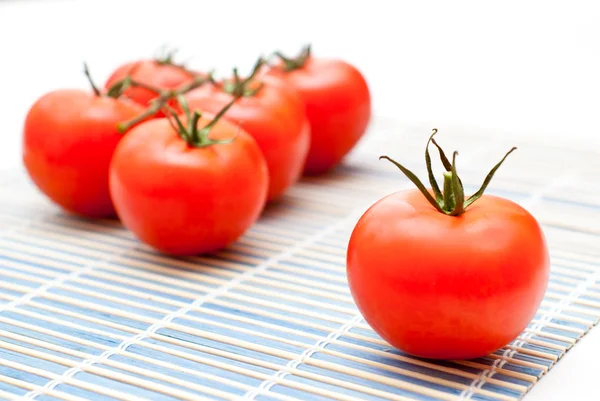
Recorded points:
(69, 137)
(149, 72)
(338, 106)
(274, 116)
(447, 287)
(187, 199)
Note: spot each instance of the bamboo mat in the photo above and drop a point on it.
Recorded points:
(88, 313)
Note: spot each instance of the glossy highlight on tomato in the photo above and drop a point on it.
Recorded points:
(444, 286)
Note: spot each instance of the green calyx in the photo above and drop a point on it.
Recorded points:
(244, 87)
(451, 201)
(195, 136)
(166, 56)
(294, 63)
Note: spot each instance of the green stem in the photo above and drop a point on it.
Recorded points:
(86, 71)
(242, 87)
(167, 59)
(142, 85)
(166, 56)
(157, 104)
(457, 189)
(177, 125)
(203, 133)
(236, 78)
(194, 136)
(448, 194)
(118, 88)
(294, 63)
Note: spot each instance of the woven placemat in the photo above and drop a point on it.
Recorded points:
(89, 313)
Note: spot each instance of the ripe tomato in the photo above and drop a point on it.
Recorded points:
(273, 114)
(69, 137)
(184, 193)
(338, 106)
(446, 283)
(154, 73)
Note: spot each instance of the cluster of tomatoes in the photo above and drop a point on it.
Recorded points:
(188, 163)
(185, 161)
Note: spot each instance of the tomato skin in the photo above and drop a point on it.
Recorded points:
(69, 137)
(338, 106)
(444, 287)
(149, 72)
(182, 200)
(276, 119)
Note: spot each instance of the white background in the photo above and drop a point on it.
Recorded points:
(518, 68)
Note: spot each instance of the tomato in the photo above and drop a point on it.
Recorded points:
(273, 114)
(69, 137)
(338, 106)
(448, 283)
(154, 73)
(183, 192)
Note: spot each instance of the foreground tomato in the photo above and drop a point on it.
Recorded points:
(183, 192)
(338, 106)
(437, 281)
(272, 113)
(156, 74)
(69, 138)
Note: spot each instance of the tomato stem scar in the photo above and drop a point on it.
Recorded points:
(451, 201)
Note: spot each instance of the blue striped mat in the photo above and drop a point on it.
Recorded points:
(89, 313)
